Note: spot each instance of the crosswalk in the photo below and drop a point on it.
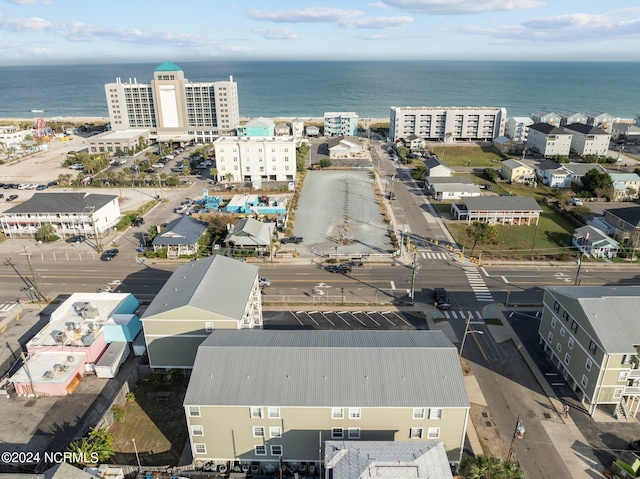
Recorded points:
(477, 284)
(5, 309)
(433, 255)
(460, 314)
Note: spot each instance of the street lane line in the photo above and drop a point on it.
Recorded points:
(393, 284)
(505, 279)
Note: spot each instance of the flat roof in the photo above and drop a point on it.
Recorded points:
(57, 366)
(128, 134)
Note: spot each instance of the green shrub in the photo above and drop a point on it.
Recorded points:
(118, 413)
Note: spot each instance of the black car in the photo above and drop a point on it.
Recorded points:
(138, 221)
(11, 197)
(340, 268)
(356, 262)
(42, 187)
(291, 239)
(441, 299)
(109, 254)
(52, 183)
(75, 239)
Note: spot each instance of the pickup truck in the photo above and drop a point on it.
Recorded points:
(291, 239)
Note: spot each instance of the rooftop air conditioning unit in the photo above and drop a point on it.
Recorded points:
(47, 375)
(90, 313)
(60, 337)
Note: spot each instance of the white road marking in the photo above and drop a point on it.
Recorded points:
(505, 279)
(393, 285)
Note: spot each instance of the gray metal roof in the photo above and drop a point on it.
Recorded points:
(435, 180)
(62, 203)
(501, 203)
(432, 162)
(548, 165)
(511, 163)
(387, 459)
(629, 215)
(217, 284)
(612, 312)
(65, 470)
(548, 129)
(580, 169)
(309, 368)
(595, 235)
(250, 232)
(585, 129)
(455, 187)
(184, 230)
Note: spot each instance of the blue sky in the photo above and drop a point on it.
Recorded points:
(34, 32)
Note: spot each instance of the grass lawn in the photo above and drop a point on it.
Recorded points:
(471, 155)
(159, 428)
(553, 239)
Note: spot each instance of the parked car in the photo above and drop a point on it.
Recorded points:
(262, 281)
(42, 187)
(291, 239)
(356, 262)
(109, 254)
(138, 221)
(441, 299)
(76, 166)
(339, 268)
(122, 161)
(11, 197)
(576, 202)
(52, 183)
(75, 239)
(1, 195)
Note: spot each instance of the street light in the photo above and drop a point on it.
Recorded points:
(467, 331)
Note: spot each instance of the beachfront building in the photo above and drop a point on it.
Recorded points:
(69, 213)
(257, 127)
(517, 128)
(12, 136)
(625, 132)
(340, 123)
(125, 141)
(548, 140)
(599, 119)
(567, 117)
(447, 124)
(544, 116)
(280, 394)
(297, 127)
(588, 140)
(173, 108)
(210, 294)
(591, 334)
(256, 159)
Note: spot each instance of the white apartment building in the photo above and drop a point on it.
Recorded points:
(256, 158)
(174, 108)
(340, 123)
(548, 140)
(447, 124)
(12, 136)
(517, 128)
(588, 140)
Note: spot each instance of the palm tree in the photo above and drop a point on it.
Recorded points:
(489, 467)
(228, 177)
(214, 173)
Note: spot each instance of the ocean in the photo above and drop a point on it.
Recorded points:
(308, 89)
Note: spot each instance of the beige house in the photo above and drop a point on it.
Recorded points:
(591, 334)
(200, 297)
(517, 172)
(280, 394)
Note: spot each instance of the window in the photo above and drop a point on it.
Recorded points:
(275, 431)
(208, 326)
(562, 332)
(418, 413)
(559, 347)
(567, 358)
(200, 448)
(556, 307)
(354, 413)
(337, 413)
(622, 375)
(354, 433)
(617, 393)
(194, 411)
(565, 315)
(592, 347)
(433, 433)
(553, 322)
(276, 450)
(258, 431)
(626, 359)
(260, 450)
(256, 412)
(584, 381)
(550, 338)
(588, 365)
(337, 433)
(197, 431)
(435, 413)
(416, 433)
(274, 413)
(574, 326)
(570, 343)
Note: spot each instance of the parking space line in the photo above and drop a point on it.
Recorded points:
(402, 319)
(383, 314)
(339, 313)
(325, 317)
(371, 318)
(355, 317)
(312, 318)
(297, 319)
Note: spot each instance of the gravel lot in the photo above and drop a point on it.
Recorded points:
(330, 196)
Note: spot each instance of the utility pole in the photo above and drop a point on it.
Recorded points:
(95, 228)
(26, 370)
(414, 271)
(467, 331)
(579, 263)
(39, 295)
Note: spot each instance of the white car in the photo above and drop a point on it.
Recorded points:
(122, 161)
(23, 186)
(576, 202)
(262, 281)
(76, 166)
(157, 165)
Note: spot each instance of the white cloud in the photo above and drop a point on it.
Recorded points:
(338, 17)
(280, 33)
(30, 2)
(378, 5)
(460, 7)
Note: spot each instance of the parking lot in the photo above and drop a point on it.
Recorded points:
(344, 320)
